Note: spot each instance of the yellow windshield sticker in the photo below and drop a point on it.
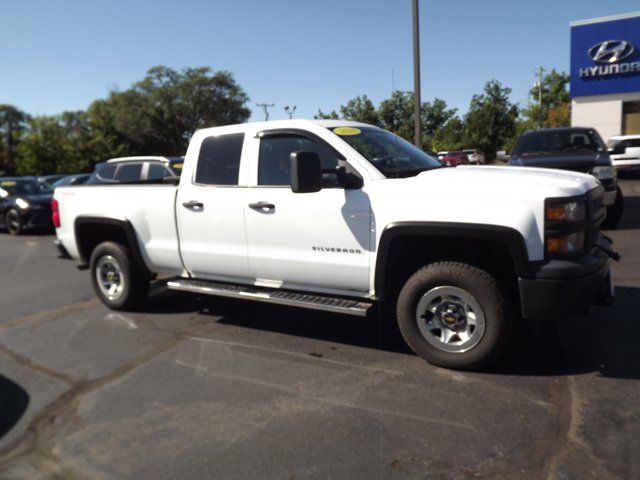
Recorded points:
(347, 131)
(8, 183)
(177, 166)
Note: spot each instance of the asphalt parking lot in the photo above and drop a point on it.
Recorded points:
(192, 387)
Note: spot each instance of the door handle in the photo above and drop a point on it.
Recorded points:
(195, 204)
(263, 206)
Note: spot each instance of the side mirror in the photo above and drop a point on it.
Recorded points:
(306, 172)
(618, 149)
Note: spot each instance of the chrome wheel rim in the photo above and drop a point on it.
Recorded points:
(450, 319)
(13, 222)
(109, 277)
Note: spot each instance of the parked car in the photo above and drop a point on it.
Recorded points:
(624, 151)
(453, 159)
(136, 169)
(475, 156)
(24, 204)
(51, 179)
(572, 148)
(338, 216)
(441, 155)
(76, 179)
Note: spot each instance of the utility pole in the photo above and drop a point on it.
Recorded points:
(266, 109)
(540, 70)
(393, 81)
(416, 77)
(290, 111)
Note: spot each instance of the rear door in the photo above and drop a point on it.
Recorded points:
(210, 211)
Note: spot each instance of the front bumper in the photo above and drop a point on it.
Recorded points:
(561, 288)
(37, 217)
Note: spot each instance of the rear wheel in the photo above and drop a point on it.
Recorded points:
(117, 280)
(454, 315)
(13, 222)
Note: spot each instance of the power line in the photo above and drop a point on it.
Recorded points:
(265, 106)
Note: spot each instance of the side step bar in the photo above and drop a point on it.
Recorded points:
(282, 297)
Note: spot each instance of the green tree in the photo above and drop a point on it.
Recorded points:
(360, 109)
(397, 112)
(491, 120)
(56, 144)
(556, 102)
(450, 136)
(158, 114)
(13, 122)
(326, 116)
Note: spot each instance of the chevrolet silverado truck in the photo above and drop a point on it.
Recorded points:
(343, 216)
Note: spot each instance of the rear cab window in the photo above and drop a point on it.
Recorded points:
(219, 160)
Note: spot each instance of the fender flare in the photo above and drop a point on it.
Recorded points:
(497, 233)
(124, 225)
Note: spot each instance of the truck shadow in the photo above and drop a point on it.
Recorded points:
(14, 401)
(606, 342)
(631, 218)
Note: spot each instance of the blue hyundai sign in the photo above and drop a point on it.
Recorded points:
(605, 56)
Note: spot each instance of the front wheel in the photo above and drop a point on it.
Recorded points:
(13, 222)
(454, 315)
(117, 280)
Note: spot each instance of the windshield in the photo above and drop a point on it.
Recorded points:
(544, 141)
(23, 187)
(393, 156)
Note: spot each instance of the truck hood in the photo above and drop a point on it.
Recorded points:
(582, 161)
(509, 183)
(512, 197)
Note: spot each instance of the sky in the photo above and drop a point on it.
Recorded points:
(61, 55)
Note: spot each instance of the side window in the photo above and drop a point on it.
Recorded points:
(129, 172)
(273, 159)
(219, 160)
(106, 172)
(157, 171)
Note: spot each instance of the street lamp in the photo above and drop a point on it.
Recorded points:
(290, 111)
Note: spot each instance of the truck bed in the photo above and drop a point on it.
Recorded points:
(149, 207)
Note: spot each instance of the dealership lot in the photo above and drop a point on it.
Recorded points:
(192, 387)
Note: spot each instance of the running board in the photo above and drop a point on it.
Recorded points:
(271, 295)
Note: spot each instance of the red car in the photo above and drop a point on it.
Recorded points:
(453, 159)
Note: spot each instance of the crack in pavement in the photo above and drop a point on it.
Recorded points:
(50, 314)
(38, 438)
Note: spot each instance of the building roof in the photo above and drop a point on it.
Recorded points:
(610, 18)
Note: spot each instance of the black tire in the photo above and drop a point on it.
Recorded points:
(615, 211)
(13, 222)
(482, 288)
(134, 280)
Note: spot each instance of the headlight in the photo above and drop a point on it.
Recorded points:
(22, 203)
(604, 173)
(566, 243)
(566, 212)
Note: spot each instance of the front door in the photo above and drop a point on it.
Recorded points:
(318, 240)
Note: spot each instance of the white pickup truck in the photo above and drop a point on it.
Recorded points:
(340, 216)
